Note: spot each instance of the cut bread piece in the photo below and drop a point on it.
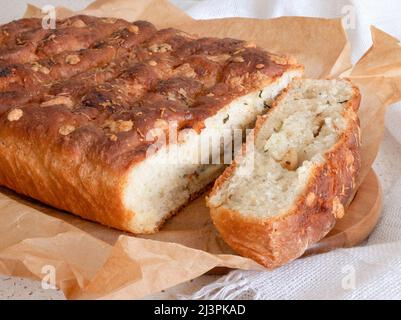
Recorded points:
(295, 173)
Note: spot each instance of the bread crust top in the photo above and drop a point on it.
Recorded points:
(95, 87)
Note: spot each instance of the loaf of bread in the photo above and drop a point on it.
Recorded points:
(80, 105)
(295, 173)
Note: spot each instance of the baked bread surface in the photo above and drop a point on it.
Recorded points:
(77, 105)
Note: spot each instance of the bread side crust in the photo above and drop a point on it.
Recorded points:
(275, 241)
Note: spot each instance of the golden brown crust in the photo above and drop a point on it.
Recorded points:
(274, 241)
(90, 91)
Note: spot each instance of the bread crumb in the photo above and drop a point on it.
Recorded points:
(133, 29)
(78, 24)
(125, 126)
(118, 126)
(152, 63)
(66, 129)
(44, 70)
(113, 137)
(109, 20)
(279, 59)
(37, 67)
(338, 208)
(171, 96)
(310, 199)
(15, 115)
(72, 59)
(238, 59)
(260, 66)
(106, 104)
(163, 47)
(60, 100)
(182, 92)
(51, 37)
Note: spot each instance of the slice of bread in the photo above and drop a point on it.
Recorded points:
(182, 180)
(295, 173)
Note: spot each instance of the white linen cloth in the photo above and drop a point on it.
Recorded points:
(373, 269)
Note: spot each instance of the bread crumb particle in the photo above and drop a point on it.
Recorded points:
(125, 126)
(109, 20)
(114, 126)
(133, 29)
(52, 37)
(106, 104)
(78, 24)
(37, 67)
(152, 63)
(162, 47)
(238, 59)
(60, 100)
(15, 115)
(182, 92)
(338, 208)
(72, 59)
(310, 199)
(44, 70)
(279, 59)
(66, 129)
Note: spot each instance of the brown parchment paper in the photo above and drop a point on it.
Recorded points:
(92, 261)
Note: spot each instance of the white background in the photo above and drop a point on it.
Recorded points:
(384, 14)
